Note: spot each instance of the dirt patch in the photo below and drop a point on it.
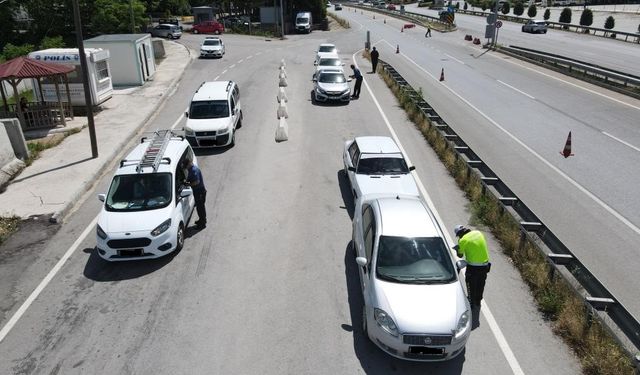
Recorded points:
(28, 235)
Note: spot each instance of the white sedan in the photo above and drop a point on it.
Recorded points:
(376, 165)
(414, 304)
(331, 84)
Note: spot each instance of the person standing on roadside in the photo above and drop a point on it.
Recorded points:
(358, 76)
(195, 181)
(473, 247)
(428, 34)
(374, 59)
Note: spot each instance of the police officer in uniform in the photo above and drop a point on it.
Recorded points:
(473, 247)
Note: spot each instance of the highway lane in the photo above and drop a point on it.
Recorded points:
(611, 54)
(269, 286)
(517, 117)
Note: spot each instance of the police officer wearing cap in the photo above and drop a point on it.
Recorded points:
(473, 247)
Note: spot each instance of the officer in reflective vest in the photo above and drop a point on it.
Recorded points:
(473, 247)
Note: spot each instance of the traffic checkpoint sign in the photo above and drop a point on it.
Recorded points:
(498, 24)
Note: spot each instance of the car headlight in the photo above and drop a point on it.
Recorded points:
(161, 228)
(320, 91)
(224, 130)
(384, 320)
(463, 324)
(189, 132)
(101, 233)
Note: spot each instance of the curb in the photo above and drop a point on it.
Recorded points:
(58, 216)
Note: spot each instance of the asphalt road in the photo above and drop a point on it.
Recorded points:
(612, 54)
(269, 287)
(516, 117)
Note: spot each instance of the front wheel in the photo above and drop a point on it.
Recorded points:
(180, 238)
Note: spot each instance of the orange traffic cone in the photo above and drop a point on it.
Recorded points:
(397, 48)
(567, 147)
(442, 75)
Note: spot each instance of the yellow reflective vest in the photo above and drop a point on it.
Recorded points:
(474, 248)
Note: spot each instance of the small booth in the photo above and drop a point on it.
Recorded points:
(98, 72)
(132, 59)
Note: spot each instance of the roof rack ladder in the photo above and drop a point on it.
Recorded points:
(153, 155)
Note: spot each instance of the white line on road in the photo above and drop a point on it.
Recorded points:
(621, 141)
(215, 79)
(448, 55)
(223, 72)
(232, 66)
(584, 190)
(493, 325)
(250, 56)
(25, 305)
(182, 115)
(258, 53)
(240, 61)
(515, 89)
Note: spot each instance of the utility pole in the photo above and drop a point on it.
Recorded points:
(85, 79)
(133, 23)
(281, 20)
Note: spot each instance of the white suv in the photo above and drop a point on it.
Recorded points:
(147, 207)
(214, 115)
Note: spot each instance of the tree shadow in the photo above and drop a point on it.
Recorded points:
(345, 191)
(98, 269)
(372, 359)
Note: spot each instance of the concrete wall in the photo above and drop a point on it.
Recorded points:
(123, 63)
(12, 144)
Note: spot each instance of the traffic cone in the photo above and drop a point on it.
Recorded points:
(397, 48)
(567, 147)
(442, 75)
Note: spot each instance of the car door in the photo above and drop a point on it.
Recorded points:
(185, 205)
(365, 234)
(352, 163)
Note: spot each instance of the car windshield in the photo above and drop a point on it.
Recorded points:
(330, 62)
(209, 109)
(211, 42)
(139, 192)
(382, 165)
(327, 49)
(414, 260)
(302, 20)
(332, 78)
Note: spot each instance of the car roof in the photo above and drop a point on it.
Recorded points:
(327, 45)
(332, 71)
(377, 145)
(173, 151)
(168, 24)
(406, 217)
(215, 90)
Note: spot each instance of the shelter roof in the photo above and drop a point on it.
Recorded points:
(23, 67)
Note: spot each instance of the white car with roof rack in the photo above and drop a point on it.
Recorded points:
(376, 165)
(147, 208)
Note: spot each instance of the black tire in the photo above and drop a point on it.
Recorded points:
(544, 32)
(365, 330)
(233, 139)
(180, 238)
(523, 29)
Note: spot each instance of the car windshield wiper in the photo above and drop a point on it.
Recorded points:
(389, 278)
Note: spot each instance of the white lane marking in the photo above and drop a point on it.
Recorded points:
(515, 89)
(182, 115)
(215, 79)
(258, 53)
(232, 66)
(493, 325)
(568, 83)
(240, 61)
(223, 72)
(25, 305)
(584, 190)
(448, 55)
(250, 56)
(621, 141)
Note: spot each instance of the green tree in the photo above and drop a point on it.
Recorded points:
(518, 8)
(466, 6)
(483, 5)
(609, 23)
(565, 16)
(51, 42)
(532, 11)
(586, 18)
(506, 8)
(458, 5)
(11, 51)
(114, 16)
(547, 14)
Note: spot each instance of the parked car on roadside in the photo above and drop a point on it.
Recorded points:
(167, 31)
(338, 7)
(391, 7)
(208, 27)
(414, 306)
(376, 165)
(325, 50)
(328, 62)
(535, 26)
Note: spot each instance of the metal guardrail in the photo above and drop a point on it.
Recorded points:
(408, 16)
(598, 298)
(628, 37)
(615, 80)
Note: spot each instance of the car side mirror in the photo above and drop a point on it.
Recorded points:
(342, 64)
(412, 168)
(362, 261)
(186, 192)
(352, 169)
(101, 197)
(461, 264)
(315, 63)
(186, 114)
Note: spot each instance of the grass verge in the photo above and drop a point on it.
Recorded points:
(599, 353)
(8, 225)
(344, 23)
(38, 145)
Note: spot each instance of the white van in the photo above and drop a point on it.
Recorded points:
(214, 115)
(303, 22)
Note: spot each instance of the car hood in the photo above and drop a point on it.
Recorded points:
(332, 67)
(334, 87)
(209, 124)
(403, 184)
(134, 221)
(210, 48)
(422, 308)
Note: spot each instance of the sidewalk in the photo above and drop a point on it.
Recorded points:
(54, 183)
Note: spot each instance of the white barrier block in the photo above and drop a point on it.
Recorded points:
(283, 82)
(282, 75)
(282, 131)
(282, 96)
(282, 110)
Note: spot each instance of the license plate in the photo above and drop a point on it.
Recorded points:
(425, 350)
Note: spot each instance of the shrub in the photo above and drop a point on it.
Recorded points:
(51, 42)
(458, 5)
(565, 16)
(532, 11)
(506, 8)
(11, 51)
(609, 23)
(483, 5)
(518, 8)
(586, 18)
(547, 14)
